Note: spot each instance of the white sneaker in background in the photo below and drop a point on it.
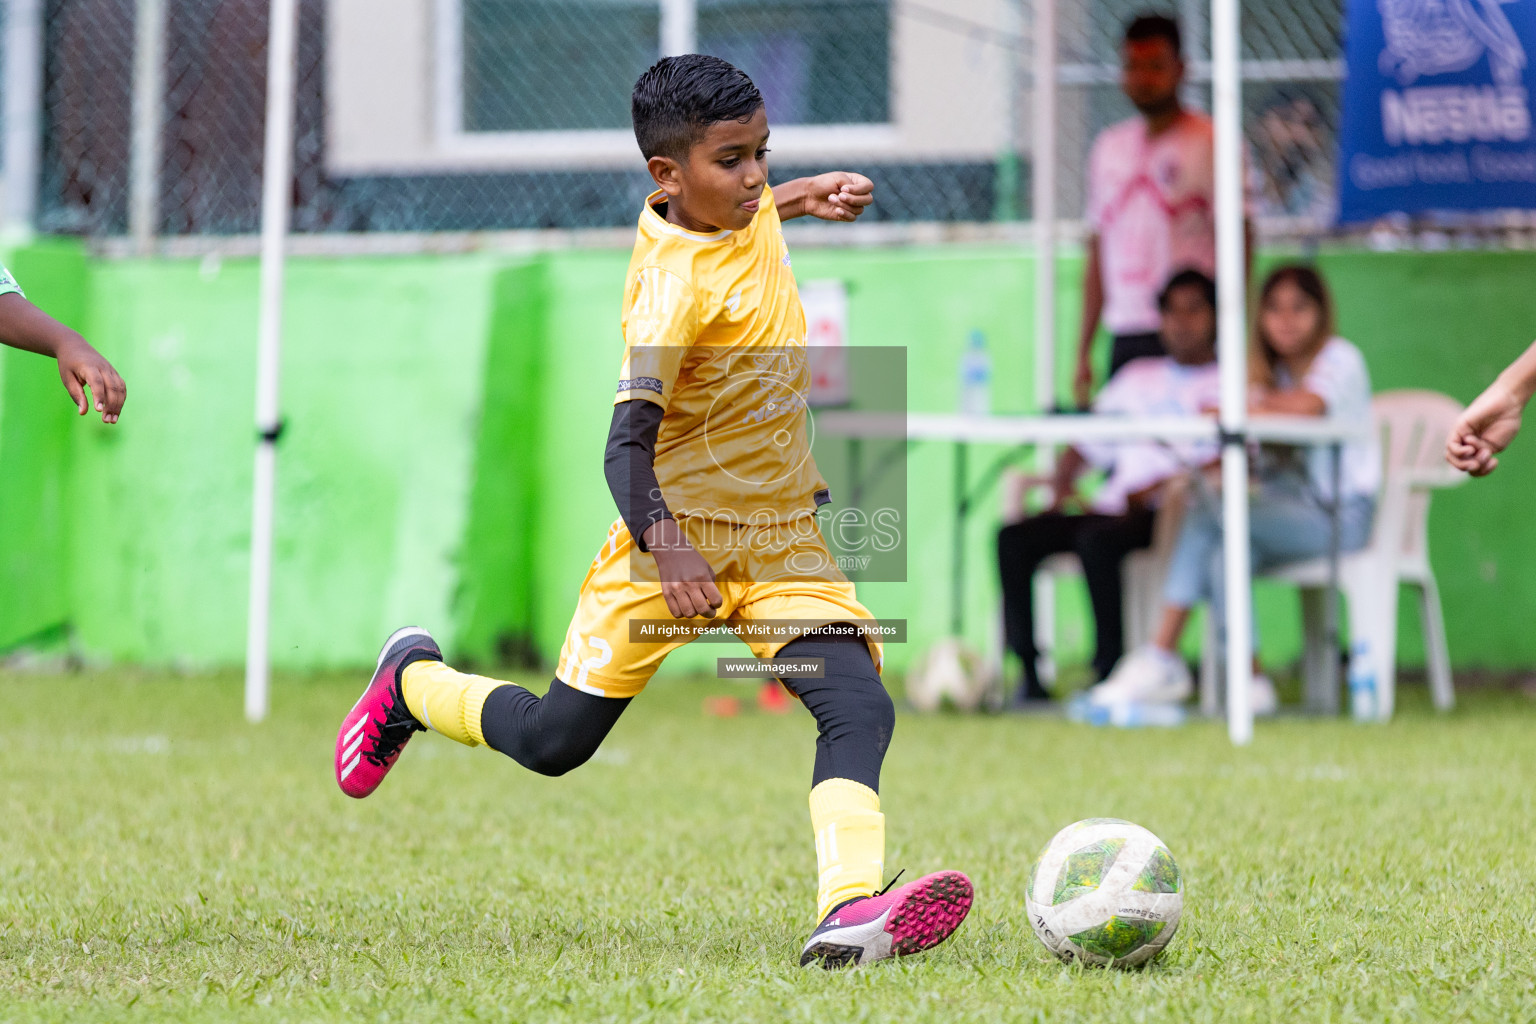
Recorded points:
(1147, 675)
(1262, 697)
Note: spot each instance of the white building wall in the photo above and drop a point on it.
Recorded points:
(386, 113)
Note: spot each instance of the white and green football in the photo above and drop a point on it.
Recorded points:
(1106, 892)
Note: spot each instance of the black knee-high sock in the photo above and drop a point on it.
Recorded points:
(854, 715)
(550, 734)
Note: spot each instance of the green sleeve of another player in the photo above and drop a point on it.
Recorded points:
(8, 282)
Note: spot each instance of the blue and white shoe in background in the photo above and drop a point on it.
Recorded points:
(1148, 675)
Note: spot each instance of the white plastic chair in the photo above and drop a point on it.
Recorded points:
(1413, 426)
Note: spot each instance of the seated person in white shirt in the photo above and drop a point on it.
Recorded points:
(1118, 520)
(1300, 368)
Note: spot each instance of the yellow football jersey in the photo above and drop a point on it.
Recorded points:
(714, 334)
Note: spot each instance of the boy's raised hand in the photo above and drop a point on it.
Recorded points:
(687, 581)
(839, 195)
(82, 367)
(1486, 428)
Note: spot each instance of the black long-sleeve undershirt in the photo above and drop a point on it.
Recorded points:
(629, 465)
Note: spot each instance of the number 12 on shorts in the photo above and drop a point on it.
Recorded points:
(573, 672)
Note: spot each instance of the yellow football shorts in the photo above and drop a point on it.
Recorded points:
(775, 572)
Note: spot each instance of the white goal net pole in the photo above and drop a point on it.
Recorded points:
(679, 27)
(144, 150)
(1043, 212)
(276, 194)
(1043, 202)
(21, 91)
(1231, 318)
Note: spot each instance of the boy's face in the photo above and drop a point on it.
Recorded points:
(720, 183)
(1189, 327)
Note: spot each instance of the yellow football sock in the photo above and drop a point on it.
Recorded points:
(850, 842)
(447, 701)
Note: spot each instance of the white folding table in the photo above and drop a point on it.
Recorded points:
(1031, 431)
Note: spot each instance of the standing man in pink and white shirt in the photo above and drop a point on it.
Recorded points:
(1151, 202)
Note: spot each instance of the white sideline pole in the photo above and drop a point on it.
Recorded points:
(23, 98)
(276, 188)
(679, 27)
(1043, 206)
(148, 104)
(1231, 314)
(1043, 201)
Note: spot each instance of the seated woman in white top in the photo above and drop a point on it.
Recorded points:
(1298, 368)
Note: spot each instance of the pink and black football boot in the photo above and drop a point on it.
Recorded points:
(893, 922)
(379, 724)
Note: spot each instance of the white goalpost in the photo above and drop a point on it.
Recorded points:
(1232, 299)
(1043, 213)
(1232, 354)
(276, 198)
(23, 99)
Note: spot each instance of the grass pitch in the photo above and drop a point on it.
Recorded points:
(160, 859)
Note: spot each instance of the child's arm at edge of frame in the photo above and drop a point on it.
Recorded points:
(1490, 423)
(836, 195)
(24, 326)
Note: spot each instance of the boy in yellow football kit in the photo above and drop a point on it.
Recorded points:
(709, 462)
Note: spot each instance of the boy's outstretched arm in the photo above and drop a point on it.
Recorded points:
(24, 326)
(836, 195)
(687, 581)
(1491, 422)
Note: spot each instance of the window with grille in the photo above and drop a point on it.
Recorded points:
(569, 65)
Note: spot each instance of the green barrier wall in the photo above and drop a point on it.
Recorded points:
(442, 462)
(498, 589)
(383, 379)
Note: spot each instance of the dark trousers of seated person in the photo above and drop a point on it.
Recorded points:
(1101, 543)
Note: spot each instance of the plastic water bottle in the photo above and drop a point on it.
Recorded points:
(1131, 715)
(1362, 683)
(1137, 715)
(976, 377)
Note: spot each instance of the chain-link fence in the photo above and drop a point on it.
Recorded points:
(1292, 70)
(472, 115)
(210, 99)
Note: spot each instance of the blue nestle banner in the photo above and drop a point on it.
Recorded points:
(1437, 107)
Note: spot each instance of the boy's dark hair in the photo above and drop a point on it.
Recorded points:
(680, 97)
(1188, 279)
(1156, 26)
